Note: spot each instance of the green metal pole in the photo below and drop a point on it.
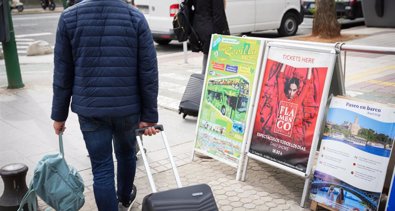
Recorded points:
(64, 4)
(11, 59)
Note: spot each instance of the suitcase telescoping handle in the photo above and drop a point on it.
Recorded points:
(139, 133)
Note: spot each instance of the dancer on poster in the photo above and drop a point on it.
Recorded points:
(290, 120)
(287, 113)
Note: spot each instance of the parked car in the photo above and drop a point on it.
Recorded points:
(244, 16)
(349, 9)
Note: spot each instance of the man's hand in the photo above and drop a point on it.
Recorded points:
(150, 130)
(59, 127)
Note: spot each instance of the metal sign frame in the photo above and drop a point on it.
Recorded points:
(250, 106)
(294, 46)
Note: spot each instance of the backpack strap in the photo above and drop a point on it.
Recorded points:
(195, 34)
(30, 199)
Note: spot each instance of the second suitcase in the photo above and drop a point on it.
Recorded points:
(190, 101)
(191, 198)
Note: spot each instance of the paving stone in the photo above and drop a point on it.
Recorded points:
(262, 208)
(226, 208)
(249, 206)
(223, 202)
(248, 187)
(267, 199)
(271, 204)
(244, 195)
(276, 209)
(220, 191)
(234, 198)
(262, 194)
(236, 204)
(163, 162)
(239, 209)
(160, 168)
(284, 206)
(259, 202)
(276, 196)
(230, 193)
(251, 192)
(246, 200)
(220, 197)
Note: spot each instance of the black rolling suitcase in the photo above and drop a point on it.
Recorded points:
(190, 101)
(190, 198)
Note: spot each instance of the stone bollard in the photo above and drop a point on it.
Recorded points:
(14, 178)
(39, 47)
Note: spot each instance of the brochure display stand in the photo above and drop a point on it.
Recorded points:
(270, 113)
(226, 104)
(290, 106)
(275, 113)
(354, 155)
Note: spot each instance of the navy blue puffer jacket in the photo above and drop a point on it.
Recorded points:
(105, 61)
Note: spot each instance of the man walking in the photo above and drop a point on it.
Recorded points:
(105, 64)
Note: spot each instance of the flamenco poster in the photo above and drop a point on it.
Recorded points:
(290, 99)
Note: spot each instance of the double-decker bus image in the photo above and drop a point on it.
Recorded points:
(230, 96)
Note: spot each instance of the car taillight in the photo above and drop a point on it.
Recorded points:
(174, 9)
(353, 2)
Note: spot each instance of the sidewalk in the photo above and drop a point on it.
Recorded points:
(27, 134)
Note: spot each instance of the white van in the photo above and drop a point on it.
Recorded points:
(244, 16)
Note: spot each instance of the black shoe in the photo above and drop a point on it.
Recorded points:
(127, 206)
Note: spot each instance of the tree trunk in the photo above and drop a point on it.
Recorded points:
(325, 23)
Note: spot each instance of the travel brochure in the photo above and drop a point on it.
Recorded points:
(355, 149)
(290, 98)
(233, 67)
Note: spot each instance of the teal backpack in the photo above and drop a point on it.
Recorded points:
(56, 183)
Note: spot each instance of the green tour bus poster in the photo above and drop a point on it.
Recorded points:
(232, 72)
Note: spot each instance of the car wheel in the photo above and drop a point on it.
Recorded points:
(289, 24)
(52, 6)
(162, 41)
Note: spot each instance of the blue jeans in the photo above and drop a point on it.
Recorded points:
(99, 135)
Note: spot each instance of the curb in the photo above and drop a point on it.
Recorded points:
(36, 11)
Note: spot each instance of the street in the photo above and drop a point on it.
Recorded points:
(32, 27)
(27, 132)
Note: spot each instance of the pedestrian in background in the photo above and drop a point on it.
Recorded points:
(340, 196)
(105, 64)
(209, 18)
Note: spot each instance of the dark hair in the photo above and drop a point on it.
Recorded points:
(342, 193)
(293, 80)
